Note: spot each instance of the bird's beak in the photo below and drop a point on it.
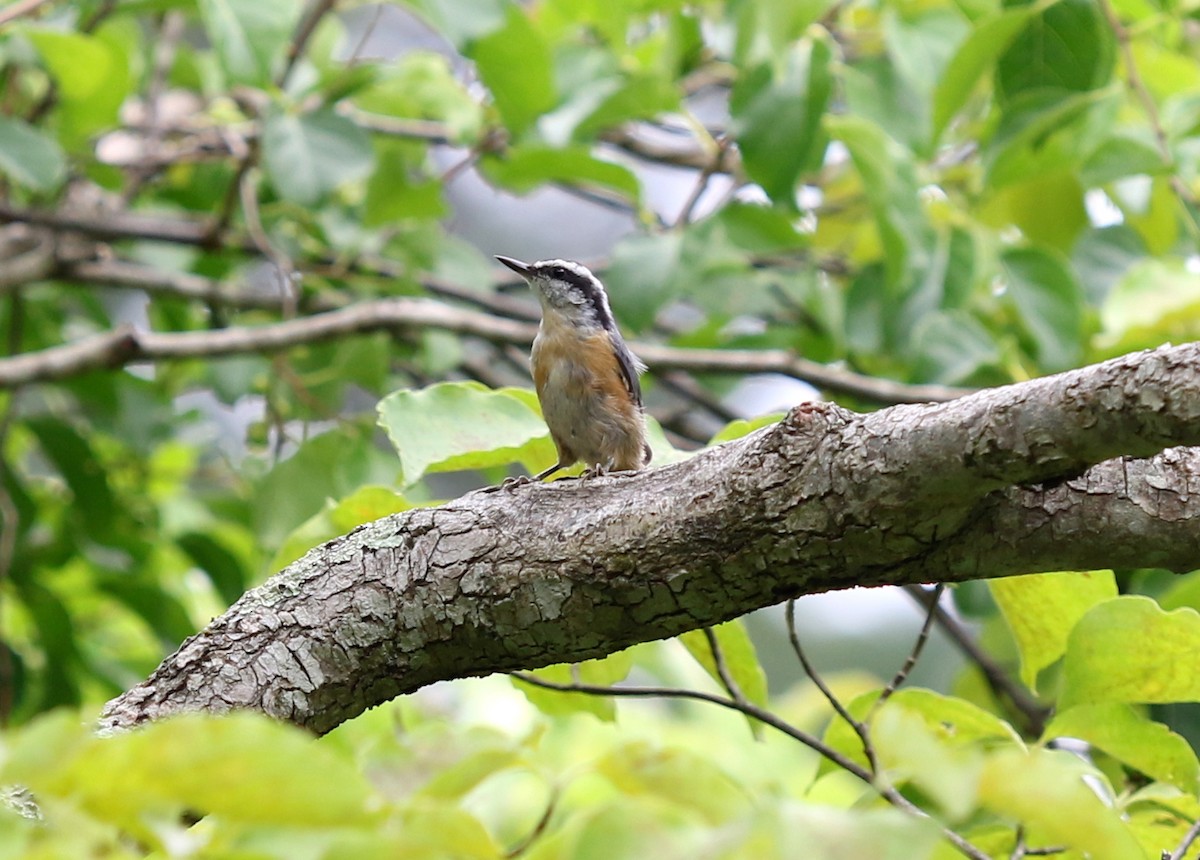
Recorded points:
(517, 266)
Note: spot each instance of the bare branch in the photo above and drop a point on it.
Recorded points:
(127, 345)
(1184, 844)
(858, 726)
(742, 361)
(913, 656)
(304, 31)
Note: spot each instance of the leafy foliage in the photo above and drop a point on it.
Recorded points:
(962, 193)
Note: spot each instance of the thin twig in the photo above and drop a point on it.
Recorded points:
(727, 679)
(858, 726)
(299, 41)
(1184, 844)
(538, 829)
(701, 185)
(998, 680)
(888, 793)
(901, 676)
(353, 59)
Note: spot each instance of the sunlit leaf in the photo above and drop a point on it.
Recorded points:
(242, 767)
(1155, 301)
(463, 425)
(1041, 610)
(1133, 739)
(1129, 650)
(1048, 792)
(738, 655)
(524, 168)
(689, 780)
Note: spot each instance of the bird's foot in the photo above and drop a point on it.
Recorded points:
(508, 484)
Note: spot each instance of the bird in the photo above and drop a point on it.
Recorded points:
(585, 375)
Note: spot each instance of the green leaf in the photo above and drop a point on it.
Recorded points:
(364, 505)
(642, 276)
(30, 157)
(397, 191)
(1049, 301)
(1103, 257)
(1048, 791)
(1126, 735)
(92, 77)
(75, 459)
(1129, 650)
(767, 28)
(740, 659)
(605, 671)
(421, 85)
(638, 97)
(463, 425)
(952, 346)
(974, 58)
(1049, 208)
(220, 565)
(1041, 610)
(911, 751)
(890, 183)
(332, 465)
(250, 35)
(740, 427)
(777, 118)
(528, 167)
(678, 776)
(1068, 47)
(310, 155)
(950, 719)
(514, 63)
(829, 833)
(242, 767)
(1121, 155)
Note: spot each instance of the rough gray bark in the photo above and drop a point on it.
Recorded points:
(1013, 480)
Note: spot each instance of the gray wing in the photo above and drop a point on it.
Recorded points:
(631, 366)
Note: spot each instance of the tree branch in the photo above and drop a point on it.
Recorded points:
(126, 346)
(825, 499)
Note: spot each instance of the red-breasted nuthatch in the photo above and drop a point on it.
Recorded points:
(585, 375)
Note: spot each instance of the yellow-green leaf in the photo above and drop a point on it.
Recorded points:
(1041, 609)
(1046, 791)
(1129, 650)
(1130, 737)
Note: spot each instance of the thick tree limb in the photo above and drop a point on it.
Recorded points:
(825, 499)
